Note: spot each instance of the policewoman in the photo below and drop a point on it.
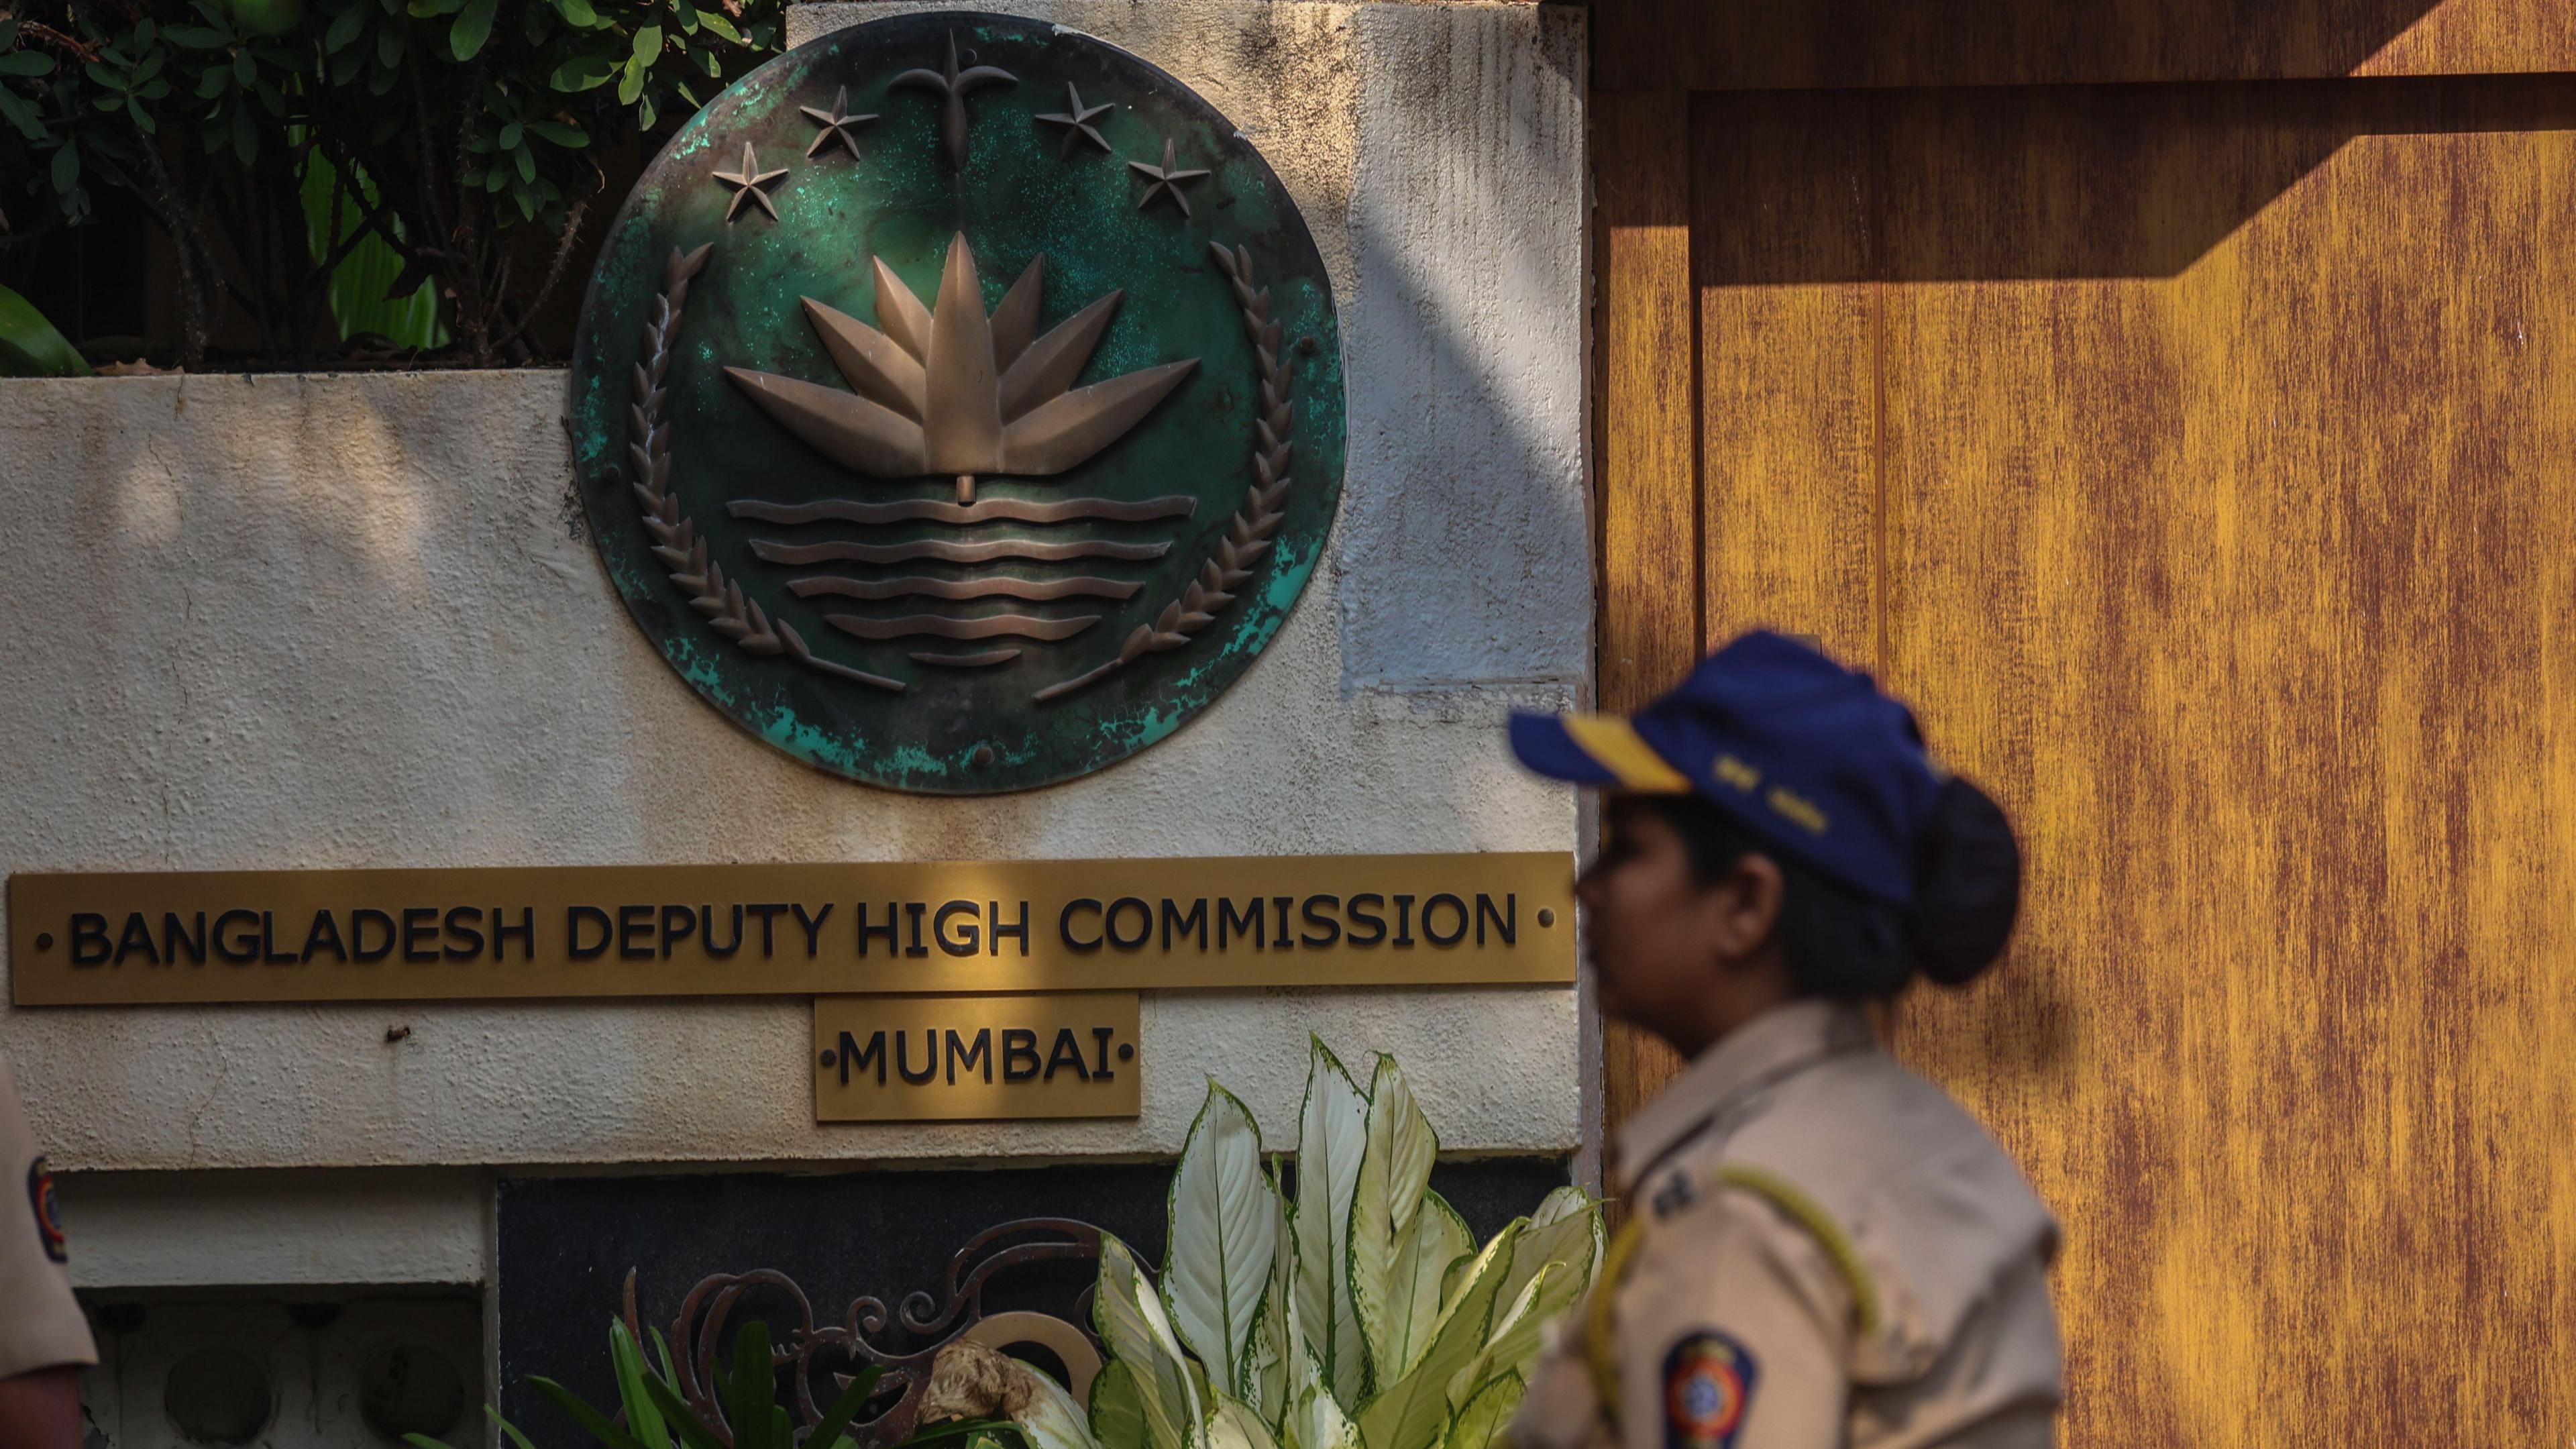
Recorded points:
(1822, 1249)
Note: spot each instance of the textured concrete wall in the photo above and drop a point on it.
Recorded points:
(341, 621)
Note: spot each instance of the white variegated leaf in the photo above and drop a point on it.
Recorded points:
(1439, 1240)
(1565, 1202)
(1486, 1414)
(1051, 1419)
(1234, 1424)
(1190, 1377)
(1130, 1318)
(1332, 1139)
(1413, 1412)
(1118, 1417)
(1395, 1171)
(1512, 1344)
(1566, 1231)
(1274, 1338)
(1317, 1420)
(1224, 1239)
(1568, 1202)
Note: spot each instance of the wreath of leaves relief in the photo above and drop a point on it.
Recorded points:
(1249, 536)
(738, 617)
(675, 542)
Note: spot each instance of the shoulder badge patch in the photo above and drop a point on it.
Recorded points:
(1708, 1384)
(49, 1221)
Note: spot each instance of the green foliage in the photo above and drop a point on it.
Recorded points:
(1359, 1314)
(361, 295)
(651, 1414)
(29, 345)
(440, 127)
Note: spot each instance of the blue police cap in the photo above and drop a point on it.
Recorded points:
(1806, 754)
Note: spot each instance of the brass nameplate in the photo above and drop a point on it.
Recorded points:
(959, 1058)
(801, 930)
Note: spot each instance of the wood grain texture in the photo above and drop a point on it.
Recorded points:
(1764, 45)
(1650, 547)
(2250, 590)
(1790, 373)
(2218, 447)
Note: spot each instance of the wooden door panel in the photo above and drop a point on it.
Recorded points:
(2202, 460)
(1713, 45)
(1650, 628)
(1789, 394)
(2247, 587)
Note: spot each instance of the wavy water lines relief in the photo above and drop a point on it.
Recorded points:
(973, 577)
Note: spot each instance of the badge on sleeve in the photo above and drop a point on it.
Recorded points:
(1708, 1383)
(49, 1222)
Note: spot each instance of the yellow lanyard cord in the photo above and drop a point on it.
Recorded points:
(1600, 1327)
(1600, 1349)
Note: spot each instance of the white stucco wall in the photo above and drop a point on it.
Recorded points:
(322, 621)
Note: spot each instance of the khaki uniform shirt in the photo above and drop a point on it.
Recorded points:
(1823, 1250)
(40, 1325)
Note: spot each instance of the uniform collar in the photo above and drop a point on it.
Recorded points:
(1773, 1045)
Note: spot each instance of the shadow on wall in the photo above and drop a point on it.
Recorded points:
(1742, 44)
(2041, 183)
(1463, 552)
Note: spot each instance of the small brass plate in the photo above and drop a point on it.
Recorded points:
(975, 1058)
(790, 930)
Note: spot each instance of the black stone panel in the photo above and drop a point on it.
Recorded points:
(566, 1244)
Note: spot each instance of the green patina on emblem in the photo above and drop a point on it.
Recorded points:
(958, 404)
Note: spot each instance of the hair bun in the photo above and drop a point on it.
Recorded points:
(1967, 886)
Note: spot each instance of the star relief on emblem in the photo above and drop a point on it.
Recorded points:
(750, 183)
(1168, 179)
(837, 124)
(1076, 120)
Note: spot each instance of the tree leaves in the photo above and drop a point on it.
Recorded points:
(345, 29)
(473, 27)
(648, 46)
(254, 84)
(29, 345)
(583, 72)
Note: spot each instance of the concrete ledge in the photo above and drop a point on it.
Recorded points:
(275, 1230)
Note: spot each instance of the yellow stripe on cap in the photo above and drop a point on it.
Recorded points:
(1615, 745)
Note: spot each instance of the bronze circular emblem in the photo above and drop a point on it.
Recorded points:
(958, 403)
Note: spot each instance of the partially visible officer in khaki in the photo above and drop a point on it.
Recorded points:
(1822, 1249)
(44, 1341)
